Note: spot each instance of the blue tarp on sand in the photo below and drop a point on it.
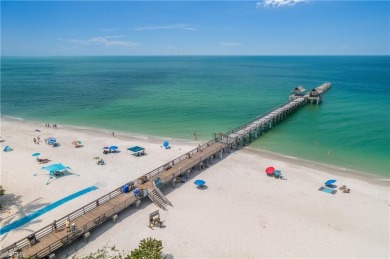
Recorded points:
(55, 167)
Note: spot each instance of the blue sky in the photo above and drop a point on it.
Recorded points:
(269, 27)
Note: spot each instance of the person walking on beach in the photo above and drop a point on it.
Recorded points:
(67, 225)
(35, 141)
(113, 134)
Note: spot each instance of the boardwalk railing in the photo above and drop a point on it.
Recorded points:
(92, 205)
(177, 160)
(4, 253)
(60, 223)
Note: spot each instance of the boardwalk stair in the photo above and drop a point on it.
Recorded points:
(48, 241)
(158, 198)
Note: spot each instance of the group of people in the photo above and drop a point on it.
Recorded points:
(68, 226)
(345, 189)
(101, 162)
(47, 125)
(37, 140)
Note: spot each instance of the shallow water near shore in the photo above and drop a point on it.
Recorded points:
(179, 97)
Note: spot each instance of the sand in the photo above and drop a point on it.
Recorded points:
(242, 214)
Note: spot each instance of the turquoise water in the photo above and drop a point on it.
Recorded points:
(45, 209)
(175, 96)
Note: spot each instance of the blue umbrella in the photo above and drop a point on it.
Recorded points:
(330, 182)
(166, 144)
(113, 147)
(36, 154)
(277, 172)
(199, 182)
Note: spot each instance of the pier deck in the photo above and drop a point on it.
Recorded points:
(46, 241)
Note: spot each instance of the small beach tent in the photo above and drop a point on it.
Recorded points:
(54, 168)
(50, 141)
(7, 149)
(137, 150)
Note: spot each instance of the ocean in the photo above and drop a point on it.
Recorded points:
(177, 96)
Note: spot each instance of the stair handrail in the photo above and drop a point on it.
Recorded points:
(162, 196)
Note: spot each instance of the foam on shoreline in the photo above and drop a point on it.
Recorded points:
(244, 212)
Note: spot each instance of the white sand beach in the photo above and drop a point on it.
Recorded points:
(242, 214)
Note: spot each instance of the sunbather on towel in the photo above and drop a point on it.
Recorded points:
(43, 160)
(343, 187)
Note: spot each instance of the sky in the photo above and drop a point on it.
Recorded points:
(265, 27)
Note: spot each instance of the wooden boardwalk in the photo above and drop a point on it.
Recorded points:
(44, 242)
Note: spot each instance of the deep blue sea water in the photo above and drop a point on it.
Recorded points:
(175, 96)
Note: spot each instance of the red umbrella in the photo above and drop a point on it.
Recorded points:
(270, 170)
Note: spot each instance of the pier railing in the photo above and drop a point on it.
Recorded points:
(243, 126)
(4, 253)
(60, 223)
(183, 169)
(178, 160)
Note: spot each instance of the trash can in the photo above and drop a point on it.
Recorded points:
(32, 239)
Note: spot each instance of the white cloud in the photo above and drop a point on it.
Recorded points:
(113, 36)
(230, 44)
(189, 29)
(278, 3)
(165, 27)
(105, 41)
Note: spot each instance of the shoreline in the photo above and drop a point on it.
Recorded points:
(157, 139)
(272, 212)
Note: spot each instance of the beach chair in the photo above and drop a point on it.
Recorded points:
(157, 182)
(7, 149)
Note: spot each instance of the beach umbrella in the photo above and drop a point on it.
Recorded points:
(76, 142)
(113, 147)
(199, 182)
(330, 182)
(270, 170)
(36, 154)
(106, 148)
(166, 144)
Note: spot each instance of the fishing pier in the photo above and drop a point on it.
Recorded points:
(46, 241)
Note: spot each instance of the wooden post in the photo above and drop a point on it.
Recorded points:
(173, 181)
